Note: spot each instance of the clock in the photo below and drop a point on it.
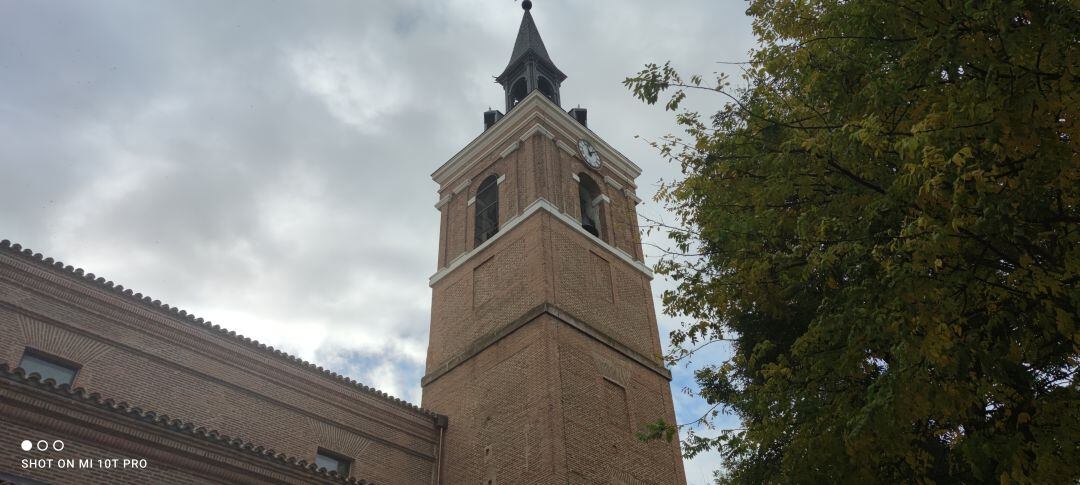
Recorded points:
(588, 153)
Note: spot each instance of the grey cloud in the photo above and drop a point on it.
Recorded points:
(266, 164)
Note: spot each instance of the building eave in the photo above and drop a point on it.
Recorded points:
(174, 313)
(135, 414)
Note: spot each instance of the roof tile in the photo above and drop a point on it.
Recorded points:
(17, 250)
(19, 374)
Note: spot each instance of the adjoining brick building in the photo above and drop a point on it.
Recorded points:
(543, 361)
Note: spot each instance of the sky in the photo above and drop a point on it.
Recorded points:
(266, 164)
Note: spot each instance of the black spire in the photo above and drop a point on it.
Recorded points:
(530, 66)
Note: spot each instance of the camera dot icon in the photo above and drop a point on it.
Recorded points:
(27, 445)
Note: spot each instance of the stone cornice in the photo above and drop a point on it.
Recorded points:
(530, 110)
(176, 314)
(538, 205)
(80, 398)
(561, 315)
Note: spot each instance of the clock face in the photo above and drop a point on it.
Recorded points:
(589, 154)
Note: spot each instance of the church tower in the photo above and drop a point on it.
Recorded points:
(544, 350)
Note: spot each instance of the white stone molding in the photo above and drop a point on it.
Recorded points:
(510, 149)
(540, 204)
(612, 182)
(534, 109)
(462, 186)
(537, 128)
(566, 148)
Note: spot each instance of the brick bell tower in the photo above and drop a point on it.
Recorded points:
(544, 350)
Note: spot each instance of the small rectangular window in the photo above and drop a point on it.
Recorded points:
(333, 462)
(48, 367)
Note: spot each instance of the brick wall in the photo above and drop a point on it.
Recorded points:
(608, 398)
(161, 361)
(11, 463)
(548, 404)
(88, 439)
(603, 290)
(488, 291)
(541, 260)
(535, 166)
(501, 403)
(544, 350)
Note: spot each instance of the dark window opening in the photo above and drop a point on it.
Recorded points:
(518, 92)
(49, 367)
(546, 88)
(487, 209)
(333, 462)
(588, 192)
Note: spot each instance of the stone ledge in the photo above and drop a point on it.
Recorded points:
(530, 315)
(538, 205)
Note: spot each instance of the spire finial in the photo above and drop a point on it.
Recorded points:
(530, 68)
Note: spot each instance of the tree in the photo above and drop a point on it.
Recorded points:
(884, 219)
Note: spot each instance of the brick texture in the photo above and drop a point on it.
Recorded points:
(544, 351)
(156, 360)
(95, 437)
(544, 355)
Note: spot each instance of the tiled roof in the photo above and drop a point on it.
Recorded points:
(163, 420)
(176, 313)
(529, 41)
(528, 37)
